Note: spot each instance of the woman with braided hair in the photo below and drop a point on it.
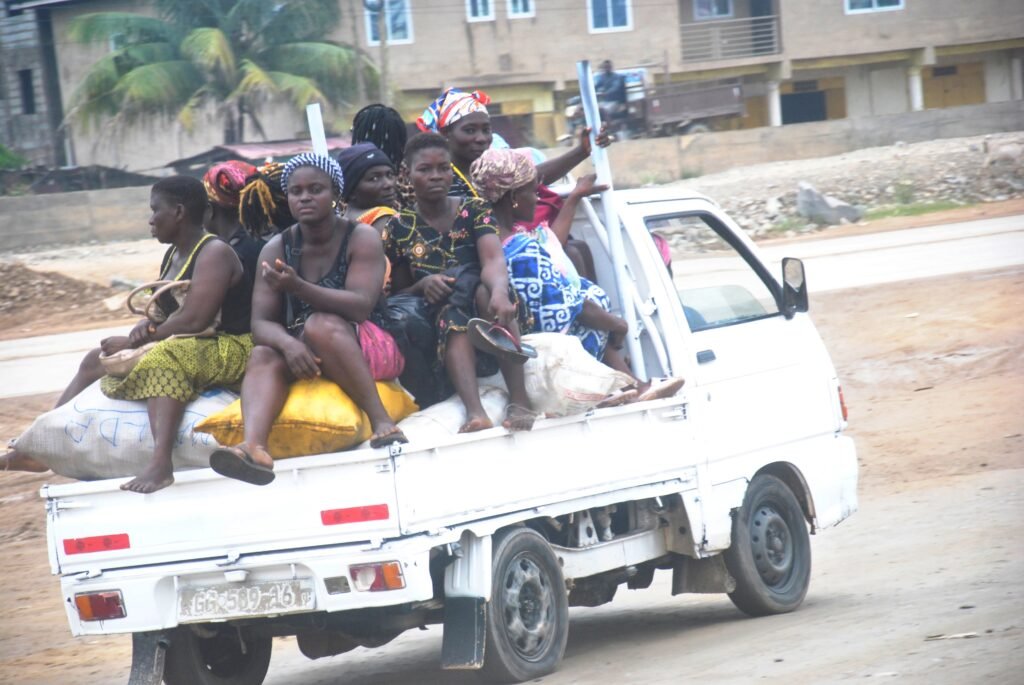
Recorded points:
(319, 283)
(384, 128)
(262, 203)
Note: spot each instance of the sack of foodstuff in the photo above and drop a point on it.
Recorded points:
(564, 379)
(318, 417)
(94, 437)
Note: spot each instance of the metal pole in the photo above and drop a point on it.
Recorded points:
(316, 129)
(599, 157)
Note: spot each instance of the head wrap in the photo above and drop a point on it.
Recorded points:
(321, 162)
(450, 107)
(224, 182)
(356, 160)
(496, 172)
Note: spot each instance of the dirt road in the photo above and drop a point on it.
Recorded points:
(933, 372)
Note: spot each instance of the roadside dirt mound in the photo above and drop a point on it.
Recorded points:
(43, 302)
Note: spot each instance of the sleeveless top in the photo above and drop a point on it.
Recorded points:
(297, 311)
(236, 310)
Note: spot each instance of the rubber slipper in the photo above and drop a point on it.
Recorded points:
(661, 387)
(390, 438)
(235, 462)
(617, 398)
(519, 418)
(495, 339)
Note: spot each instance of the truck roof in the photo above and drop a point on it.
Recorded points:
(636, 196)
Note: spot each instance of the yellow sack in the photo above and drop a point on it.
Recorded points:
(317, 417)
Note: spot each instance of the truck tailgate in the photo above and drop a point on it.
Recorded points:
(321, 500)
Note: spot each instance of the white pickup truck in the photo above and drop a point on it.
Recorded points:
(496, 534)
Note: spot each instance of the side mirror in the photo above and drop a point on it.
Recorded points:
(794, 287)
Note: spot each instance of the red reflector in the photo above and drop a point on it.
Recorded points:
(842, 405)
(98, 543)
(371, 512)
(100, 606)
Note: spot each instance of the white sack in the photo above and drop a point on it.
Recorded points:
(94, 437)
(442, 420)
(565, 379)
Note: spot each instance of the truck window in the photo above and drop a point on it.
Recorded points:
(718, 283)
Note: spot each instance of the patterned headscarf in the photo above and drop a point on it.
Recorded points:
(450, 107)
(496, 172)
(224, 182)
(324, 164)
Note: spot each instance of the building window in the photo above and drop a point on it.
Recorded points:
(520, 9)
(609, 15)
(712, 9)
(28, 92)
(397, 16)
(479, 10)
(856, 6)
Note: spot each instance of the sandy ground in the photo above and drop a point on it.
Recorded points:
(933, 373)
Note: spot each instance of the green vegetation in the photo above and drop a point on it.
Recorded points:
(914, 209)
(233, 55)
(11, 160)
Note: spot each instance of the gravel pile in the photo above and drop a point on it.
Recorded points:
(762, 198)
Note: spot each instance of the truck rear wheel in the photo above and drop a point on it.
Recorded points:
(770, 555)
(528, 615)
(217, 659)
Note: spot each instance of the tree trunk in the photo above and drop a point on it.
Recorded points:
(240, 128)
(360, 75)
(382, 34)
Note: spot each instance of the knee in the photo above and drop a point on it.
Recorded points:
(264, 358)
(324, 330)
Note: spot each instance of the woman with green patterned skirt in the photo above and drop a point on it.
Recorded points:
(178, 369)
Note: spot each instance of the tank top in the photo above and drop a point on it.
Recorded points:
(298, 310)
(236, 310)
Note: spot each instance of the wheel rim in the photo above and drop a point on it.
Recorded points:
(528, 607)
(772, 545)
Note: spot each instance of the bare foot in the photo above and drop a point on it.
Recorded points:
(157, 476)
(476, 423)
(12, 461)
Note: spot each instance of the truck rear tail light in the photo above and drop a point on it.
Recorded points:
(370, 512)
(378, 577)
(100, 606)
(842, 404)
(97, 543)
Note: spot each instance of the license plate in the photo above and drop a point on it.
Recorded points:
(249, 599)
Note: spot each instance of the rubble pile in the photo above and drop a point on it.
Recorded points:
(763, 199)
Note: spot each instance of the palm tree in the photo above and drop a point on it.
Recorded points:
(234, 55)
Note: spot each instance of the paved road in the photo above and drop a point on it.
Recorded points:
(32, 366)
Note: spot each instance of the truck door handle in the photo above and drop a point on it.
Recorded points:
(705, 356)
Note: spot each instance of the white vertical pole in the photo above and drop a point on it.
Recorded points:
(915, 88)
(599, 157)
(774, 104)
(316, 129)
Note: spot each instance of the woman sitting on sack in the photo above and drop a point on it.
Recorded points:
(319, 282)
(446, 251)
(560, 300)
(180, 366)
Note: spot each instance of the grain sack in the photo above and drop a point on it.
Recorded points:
(564, 379)
(94, 437)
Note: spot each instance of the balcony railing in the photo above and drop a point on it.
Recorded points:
(706, 41)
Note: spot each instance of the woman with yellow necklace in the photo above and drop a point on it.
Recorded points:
(462, 118)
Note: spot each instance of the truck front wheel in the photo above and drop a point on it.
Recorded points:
(216, 655)
(528, 615)
(770, 555)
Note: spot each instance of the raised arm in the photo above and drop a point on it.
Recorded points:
(585, 186)
(554, 169)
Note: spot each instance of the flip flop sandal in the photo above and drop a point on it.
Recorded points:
(235, 462)
(495, 339)
(390, 438)
(617, 398)
(660, 388)
(518, 414)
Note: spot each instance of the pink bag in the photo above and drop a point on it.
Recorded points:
(380, 352)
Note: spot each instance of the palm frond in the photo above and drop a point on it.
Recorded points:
(211, 50)
(187, 116)
(161, 88)
(300, 90)
(94, 98)
(331, 66)
(254, 82)
(130, 27)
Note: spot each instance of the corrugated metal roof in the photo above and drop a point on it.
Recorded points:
(257, 152)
